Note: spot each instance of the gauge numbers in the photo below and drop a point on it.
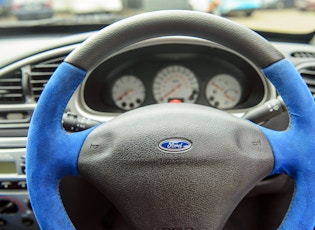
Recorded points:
(223, 91)
(128, 92)
(175, 83)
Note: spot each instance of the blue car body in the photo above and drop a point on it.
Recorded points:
(5, 7)
(230, 6)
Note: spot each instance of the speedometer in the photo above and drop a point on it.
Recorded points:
(223, 91)
(175, 83)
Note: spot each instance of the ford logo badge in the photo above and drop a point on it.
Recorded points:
(175, 145)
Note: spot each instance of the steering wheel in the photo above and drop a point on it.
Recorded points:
(172, 166)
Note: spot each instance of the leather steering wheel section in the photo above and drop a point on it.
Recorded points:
(153, 188)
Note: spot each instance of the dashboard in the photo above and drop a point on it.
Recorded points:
(160, 70)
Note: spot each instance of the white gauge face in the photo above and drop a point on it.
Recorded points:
(128, 92)
(175, 83)
(223, 91)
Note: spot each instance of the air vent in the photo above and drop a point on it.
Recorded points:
(40, 74)
(11, 90)
(308, 74)
(303, 54)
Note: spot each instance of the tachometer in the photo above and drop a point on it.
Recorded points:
(175, 83)
(128, 92)
(223, 91)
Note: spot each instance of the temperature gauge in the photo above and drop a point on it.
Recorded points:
(128, 92)
(223, 91)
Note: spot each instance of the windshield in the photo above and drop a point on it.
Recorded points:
(280, 16)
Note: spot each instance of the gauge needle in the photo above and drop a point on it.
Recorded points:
(217, 86)
(228, 96)
(171, 91)
(125, 94)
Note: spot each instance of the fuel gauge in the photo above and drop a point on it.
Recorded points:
(223, 91)
(128, 92)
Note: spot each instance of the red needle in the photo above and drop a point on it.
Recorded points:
(171, 91)
(125, 94)
(230, 97)
(217, 86)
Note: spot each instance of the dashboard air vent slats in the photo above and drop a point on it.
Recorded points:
(11, 90)
(40, 74)
(308, 74)
(303, 54)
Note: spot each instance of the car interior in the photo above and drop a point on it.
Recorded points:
(170, 119)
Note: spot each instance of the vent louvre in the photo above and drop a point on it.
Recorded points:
(302, 54)
(40, 74)
(11, 90)
(308, 74)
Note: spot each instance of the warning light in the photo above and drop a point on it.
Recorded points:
(175, 101)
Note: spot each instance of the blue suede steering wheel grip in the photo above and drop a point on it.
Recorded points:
(293, 149)
(52, 153)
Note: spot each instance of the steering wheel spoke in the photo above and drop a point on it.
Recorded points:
(294, 156)
(52, 153)
(293, 148)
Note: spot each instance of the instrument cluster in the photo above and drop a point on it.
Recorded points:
(173, 74)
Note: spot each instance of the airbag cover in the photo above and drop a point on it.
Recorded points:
(196, 187)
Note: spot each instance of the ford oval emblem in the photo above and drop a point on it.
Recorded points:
(175, 145)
